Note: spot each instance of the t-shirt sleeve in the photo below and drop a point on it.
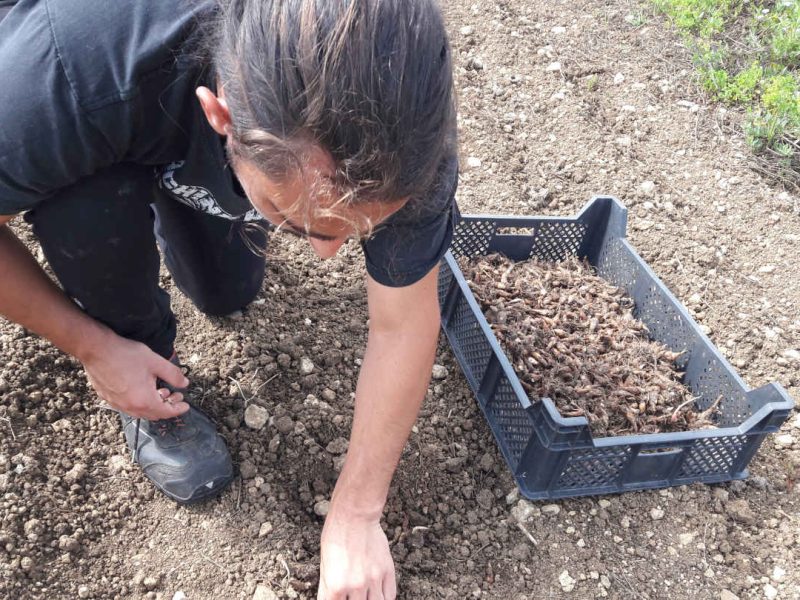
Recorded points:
(413, 240)
(46, 141)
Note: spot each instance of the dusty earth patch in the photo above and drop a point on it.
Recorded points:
(558, 100)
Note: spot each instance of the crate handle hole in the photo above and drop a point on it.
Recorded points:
(660, 450)
(528, 231)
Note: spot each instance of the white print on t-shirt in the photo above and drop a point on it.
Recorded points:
(198, 198)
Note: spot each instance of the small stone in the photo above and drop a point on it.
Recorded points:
(284, 361)
(523, 511)
(61, 425)
(284, 424)
(551, 509)
(475, 63)
(521, 552)
(778, 574)
(485, 499)
(150, 583)
(275, 443)
(68, 544)
(264, 593)
(255, 417)
(512, 496)
(322, 508)
(686, 538)
(473, 162)
(248, 470)
(770, 593)
(728, 595)
(737, 486)
(337, 446)
(647, 187)
(83, 591)
(117, 463)
(329, 395)
(233, 419)
(487, 462)
(76, 473)
(567, 582)
(656, 514)
(553, 67)
(619, 78)
(439, 372)
(467, 30)
(784, 440)
(32, 527)
(739, 510)
(179, 595)
(603, 503)
(265, 529)
(792, 354)
(559, 29)
(306, 366)
(767, 269)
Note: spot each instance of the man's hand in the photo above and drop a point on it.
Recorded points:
(355, 562)
(124, 373)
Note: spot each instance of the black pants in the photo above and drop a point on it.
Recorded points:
(99, 237)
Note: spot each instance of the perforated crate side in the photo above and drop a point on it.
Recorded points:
(468, 341)
(509, 421)
(552, 456)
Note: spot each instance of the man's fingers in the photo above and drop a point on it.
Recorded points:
(390, 587)
(375, 592)
(165, 405)
(170, 374)
(168, 411)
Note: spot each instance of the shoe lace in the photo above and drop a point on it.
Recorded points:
(164, 427)
(167, 426)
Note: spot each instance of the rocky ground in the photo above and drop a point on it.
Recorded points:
(558, 101)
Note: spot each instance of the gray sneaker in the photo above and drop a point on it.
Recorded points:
(184, 457)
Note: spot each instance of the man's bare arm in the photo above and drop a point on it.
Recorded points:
(123, 372)
(30, 298)
(404, 328)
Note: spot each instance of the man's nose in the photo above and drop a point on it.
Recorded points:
(326, 248)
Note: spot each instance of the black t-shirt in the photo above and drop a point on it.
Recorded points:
(84, 85)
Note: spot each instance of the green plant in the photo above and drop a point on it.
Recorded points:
(702, 17)
(747, 53)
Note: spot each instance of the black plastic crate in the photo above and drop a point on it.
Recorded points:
(553, 456)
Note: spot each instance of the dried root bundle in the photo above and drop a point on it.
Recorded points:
(571, 336)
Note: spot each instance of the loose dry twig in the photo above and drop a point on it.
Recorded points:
(527, 533)
(8, 422)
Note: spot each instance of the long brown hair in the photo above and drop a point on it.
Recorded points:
(370, 81)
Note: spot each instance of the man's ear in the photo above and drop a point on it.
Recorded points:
(216, 110)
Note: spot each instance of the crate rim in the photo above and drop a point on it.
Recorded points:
(674, 438)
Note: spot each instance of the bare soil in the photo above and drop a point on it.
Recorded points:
(558, 101)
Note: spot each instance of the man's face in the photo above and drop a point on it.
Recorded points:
(294, 204)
